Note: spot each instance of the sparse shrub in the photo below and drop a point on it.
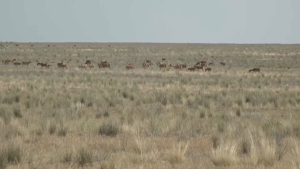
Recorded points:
(11, 131)
(10, 155)
(238, 112)
(13, 154)
(17, 112)
(216, 141)
(202, 114)
(221, 127)
(206, 104)
(106, 114)
(17, 98)
(296, 129)
(67, 158)
(131, 97)
(292, 102)
(125, 95)
(90, 104)
(275, 129)
(27, 104)
(62, 131)
(82, 100)
(38, 131)
(240, 102)
(52, 128)
(84, 157)
(3, 160)
(111, 103)
(190, 103)
(245, 147)
(109, 129)
(98, 115)
(5, 115)
(8, 100)
(164, 101)
(248, 99)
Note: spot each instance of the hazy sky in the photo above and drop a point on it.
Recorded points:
(194, 21)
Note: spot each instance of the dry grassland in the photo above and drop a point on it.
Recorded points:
(150, 118)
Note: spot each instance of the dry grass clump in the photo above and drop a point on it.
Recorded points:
(264, 152)
(67, 158)
(10, 155)
(225, 154)
(81, 157)
(177, 154)
(109, 129)
(254, 149)
(62, 131)
(5, 114)
(52, 128)
(84, 157)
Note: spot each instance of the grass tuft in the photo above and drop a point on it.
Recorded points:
(67, 158)
(225, 154)
(84, 157)
(10, 155)
(177, 154)
(109, 129)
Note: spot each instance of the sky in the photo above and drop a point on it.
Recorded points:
(157, 21)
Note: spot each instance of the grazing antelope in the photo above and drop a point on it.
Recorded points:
(222, 63)
(62, 65)
(8, 60)
(104, 64)
(130, 66)
(44, 65)
(198, 67)
(183, 65)
(17, 64)
(88, 62)
(172, 65)
(177, 66)
(201, 64)
(163, 59)
(83, 66)
(208, 69)
(211, 63)
(49, 64)
(191, 69)
(39, 63)
(147, 63)
(254, 70)
(26, 63)
(162, 65)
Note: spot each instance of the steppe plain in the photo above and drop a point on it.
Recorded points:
(150, 117)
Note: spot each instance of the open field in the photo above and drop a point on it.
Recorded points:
(150, 118)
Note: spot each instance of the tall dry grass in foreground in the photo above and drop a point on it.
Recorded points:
(150, 118)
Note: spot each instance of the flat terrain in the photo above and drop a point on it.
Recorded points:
(149, 117)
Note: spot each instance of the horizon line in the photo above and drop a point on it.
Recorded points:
(154, 43)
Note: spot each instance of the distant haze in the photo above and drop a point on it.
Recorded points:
(175, 21)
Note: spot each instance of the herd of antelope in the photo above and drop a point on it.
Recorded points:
(201, 65)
